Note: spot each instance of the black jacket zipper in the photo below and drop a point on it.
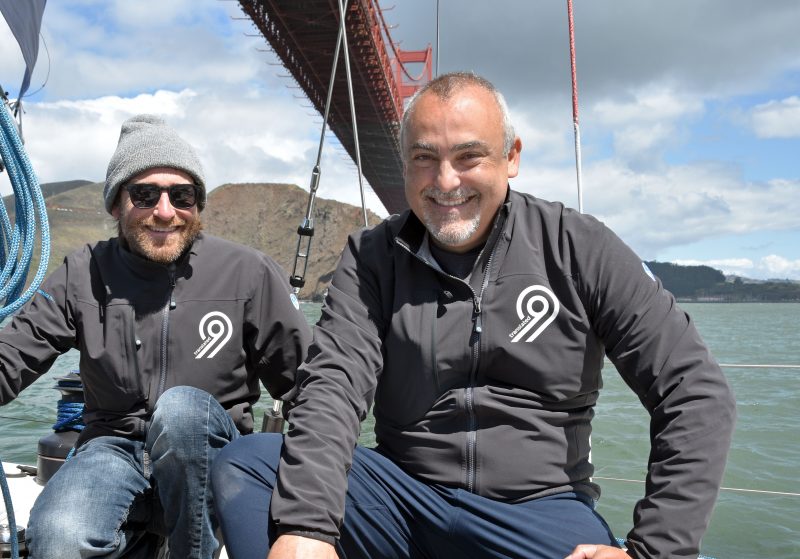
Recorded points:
(165, 332)
(477, 329)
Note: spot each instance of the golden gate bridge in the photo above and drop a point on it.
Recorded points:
(304, 35)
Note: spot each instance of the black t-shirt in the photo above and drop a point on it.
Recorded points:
(456, 264)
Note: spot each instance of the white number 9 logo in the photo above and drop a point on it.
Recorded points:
(215, 329)
(539, 309)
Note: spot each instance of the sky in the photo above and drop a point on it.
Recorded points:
(689, 109)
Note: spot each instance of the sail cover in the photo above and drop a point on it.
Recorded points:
(24, 18)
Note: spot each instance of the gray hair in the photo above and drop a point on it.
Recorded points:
(444, 87)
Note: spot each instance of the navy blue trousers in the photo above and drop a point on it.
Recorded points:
(389, 514)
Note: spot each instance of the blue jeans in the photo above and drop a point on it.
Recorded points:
(391, 515)
(114, 494)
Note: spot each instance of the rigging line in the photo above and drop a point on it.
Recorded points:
(47, 76)
(742, 365)
(23, 420)
(273, 420)
(739, 489)
(306, 228)
(575, 125)
(346, 53)
(760, 366)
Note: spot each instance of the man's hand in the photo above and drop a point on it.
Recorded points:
(298, 547)
(597, 552)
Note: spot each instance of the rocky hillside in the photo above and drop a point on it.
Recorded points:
(264, 216)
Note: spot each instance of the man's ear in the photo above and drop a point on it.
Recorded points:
(513, 157)
(116, 207)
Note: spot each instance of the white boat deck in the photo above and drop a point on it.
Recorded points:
(24, 491)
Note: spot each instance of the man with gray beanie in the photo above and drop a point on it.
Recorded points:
(175, 329)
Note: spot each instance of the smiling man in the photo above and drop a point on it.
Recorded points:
(175, 331)
(478, 323)
(457, 166)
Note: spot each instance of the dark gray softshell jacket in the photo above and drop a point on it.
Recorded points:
(222, 318)
(489, 385)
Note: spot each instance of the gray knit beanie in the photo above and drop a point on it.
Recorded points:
(146, 142)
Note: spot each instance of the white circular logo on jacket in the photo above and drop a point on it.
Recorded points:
(215, 330)
(537, 307)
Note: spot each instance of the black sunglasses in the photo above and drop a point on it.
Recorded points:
(146, 196)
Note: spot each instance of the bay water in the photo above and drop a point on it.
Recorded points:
(758, 512)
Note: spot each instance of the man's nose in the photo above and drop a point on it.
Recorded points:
(448, 177)
(164, 209)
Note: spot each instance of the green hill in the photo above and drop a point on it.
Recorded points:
(705, 284)
(685, 281)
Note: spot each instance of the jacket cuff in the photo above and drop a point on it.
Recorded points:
(327, 538)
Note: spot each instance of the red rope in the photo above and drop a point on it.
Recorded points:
(572, 63)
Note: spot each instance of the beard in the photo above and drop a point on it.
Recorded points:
(457, 226)
(135, 234)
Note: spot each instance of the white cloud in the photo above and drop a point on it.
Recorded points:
(139, 14)
(676, 205)
(545, 137)
(780, 267)
(99, 48)
(777, 119)
(649, 105)
(641, 145)
(241, 142)
(645, 123)
(75, 139)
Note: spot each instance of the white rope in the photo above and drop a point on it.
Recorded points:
(784, 493)
(744, 365)
(759, 366)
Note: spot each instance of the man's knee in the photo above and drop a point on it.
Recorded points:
(181, 408)
(54, 533)
(246, 463)
(81, 508)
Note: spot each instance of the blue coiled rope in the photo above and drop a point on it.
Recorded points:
(69, 412)
(22, 235)
(69, 409)
(69, 416)
(19, 239)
